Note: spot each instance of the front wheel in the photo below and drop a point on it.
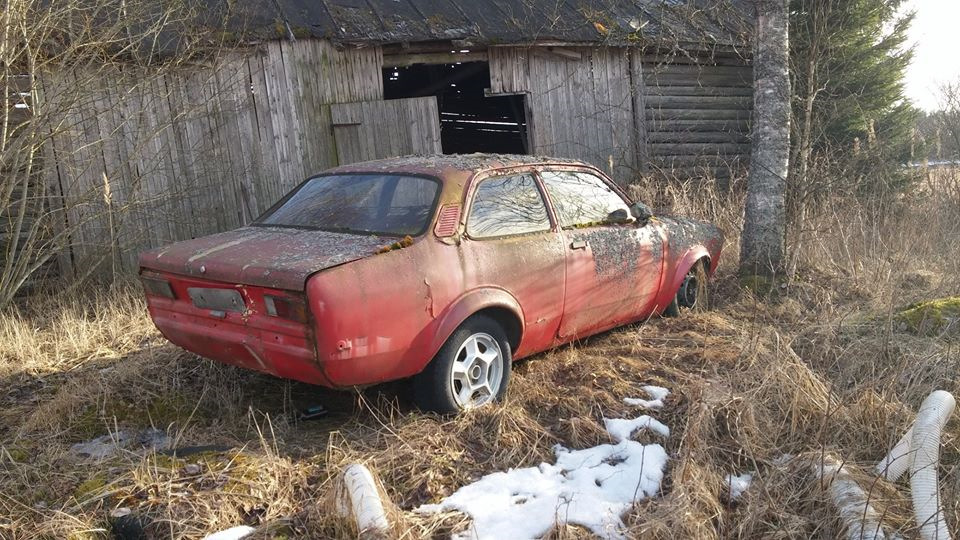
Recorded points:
(692, 293)
(470, 370)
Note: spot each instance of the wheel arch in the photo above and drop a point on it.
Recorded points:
(496, 303)
(693, 256)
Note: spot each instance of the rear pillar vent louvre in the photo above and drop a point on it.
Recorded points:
(447, 221)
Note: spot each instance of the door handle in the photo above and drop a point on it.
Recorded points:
(578, 244)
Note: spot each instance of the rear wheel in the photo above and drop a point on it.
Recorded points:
(472, 369)
(692, 293)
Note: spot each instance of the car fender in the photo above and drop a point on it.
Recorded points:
(674, 274)
(467, 305)
(686, 262)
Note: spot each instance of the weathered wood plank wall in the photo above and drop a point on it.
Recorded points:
(580, 102)
(146, 160)
(370, 129)
(151, 159)
(626, 112)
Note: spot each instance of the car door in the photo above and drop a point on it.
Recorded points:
(613, 268)
(510, 243)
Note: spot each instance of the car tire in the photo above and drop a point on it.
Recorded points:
(471, 369)
(692, 293)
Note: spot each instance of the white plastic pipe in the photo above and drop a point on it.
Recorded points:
(925, 446)
(359, 497)
(898, 460)
(859, 517)
(919, 451)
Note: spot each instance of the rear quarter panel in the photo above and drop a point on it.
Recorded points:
(375, 319)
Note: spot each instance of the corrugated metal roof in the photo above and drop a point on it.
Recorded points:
(488, 22)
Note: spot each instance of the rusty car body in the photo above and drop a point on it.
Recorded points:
(524, 253)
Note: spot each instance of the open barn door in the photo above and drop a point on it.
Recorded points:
(378, 129)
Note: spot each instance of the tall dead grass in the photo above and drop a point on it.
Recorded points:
(57, 332)
(767, 382)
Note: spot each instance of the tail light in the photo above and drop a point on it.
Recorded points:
(157, 287)
(286, 308)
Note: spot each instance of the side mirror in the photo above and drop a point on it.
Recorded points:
(641, 211)
(619, 216)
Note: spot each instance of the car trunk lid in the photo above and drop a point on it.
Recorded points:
(275, 257)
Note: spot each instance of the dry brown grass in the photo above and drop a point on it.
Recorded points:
(810, 367)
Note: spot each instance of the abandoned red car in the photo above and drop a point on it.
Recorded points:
(441, 268)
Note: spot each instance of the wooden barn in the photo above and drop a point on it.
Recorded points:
(632, 86)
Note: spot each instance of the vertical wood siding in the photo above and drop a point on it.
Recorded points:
(377, 129)
(145, 160)
(580, 107)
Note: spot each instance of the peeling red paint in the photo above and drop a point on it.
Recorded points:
(377, 317)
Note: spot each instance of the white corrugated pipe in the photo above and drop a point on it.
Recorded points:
(359, 497)
(859, 517)
(919, 450)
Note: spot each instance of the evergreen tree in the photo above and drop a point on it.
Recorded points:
(848, 62)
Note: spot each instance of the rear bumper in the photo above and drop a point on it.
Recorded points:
(289, 354)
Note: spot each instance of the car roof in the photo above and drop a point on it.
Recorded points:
(442, 164)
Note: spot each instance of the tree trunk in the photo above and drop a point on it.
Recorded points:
(762, 243)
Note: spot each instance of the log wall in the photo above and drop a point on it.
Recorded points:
(631, 113)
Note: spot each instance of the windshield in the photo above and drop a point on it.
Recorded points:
(386, 204)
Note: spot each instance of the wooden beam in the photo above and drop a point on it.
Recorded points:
(666, 90)
(740, 126)
(565, 52)
(697, 137)
(403, 60)
(698, 149)
(700, 102)
(639, 94)
(697, 114)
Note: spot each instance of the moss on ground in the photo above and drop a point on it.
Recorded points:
(160, 411)
(90, 486)
(939, 317)
(759, 285)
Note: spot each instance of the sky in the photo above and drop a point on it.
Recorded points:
(936, 35)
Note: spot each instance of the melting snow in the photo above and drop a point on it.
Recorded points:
(738, 484)
(233, 533)
(621, 429)
(113, 443)
(656, 394)
(591, 487)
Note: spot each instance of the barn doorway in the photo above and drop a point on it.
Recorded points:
(470, 120)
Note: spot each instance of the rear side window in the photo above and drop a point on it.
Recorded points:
(507, 205)
(392, 205)
(581, 199)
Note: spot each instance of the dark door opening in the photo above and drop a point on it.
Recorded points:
(469, 120)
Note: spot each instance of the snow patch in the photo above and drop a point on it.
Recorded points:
(591, 487)
(621, 428)
(656, 394)
(113, 443)
(233, 533)
(737, 484)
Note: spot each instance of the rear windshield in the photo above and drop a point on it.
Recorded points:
(386, 204)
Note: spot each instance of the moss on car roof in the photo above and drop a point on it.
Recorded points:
(462, 162)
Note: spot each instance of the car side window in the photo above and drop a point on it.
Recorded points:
(507, 205)
(581, 199)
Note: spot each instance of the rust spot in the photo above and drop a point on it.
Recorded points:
(406, 241)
